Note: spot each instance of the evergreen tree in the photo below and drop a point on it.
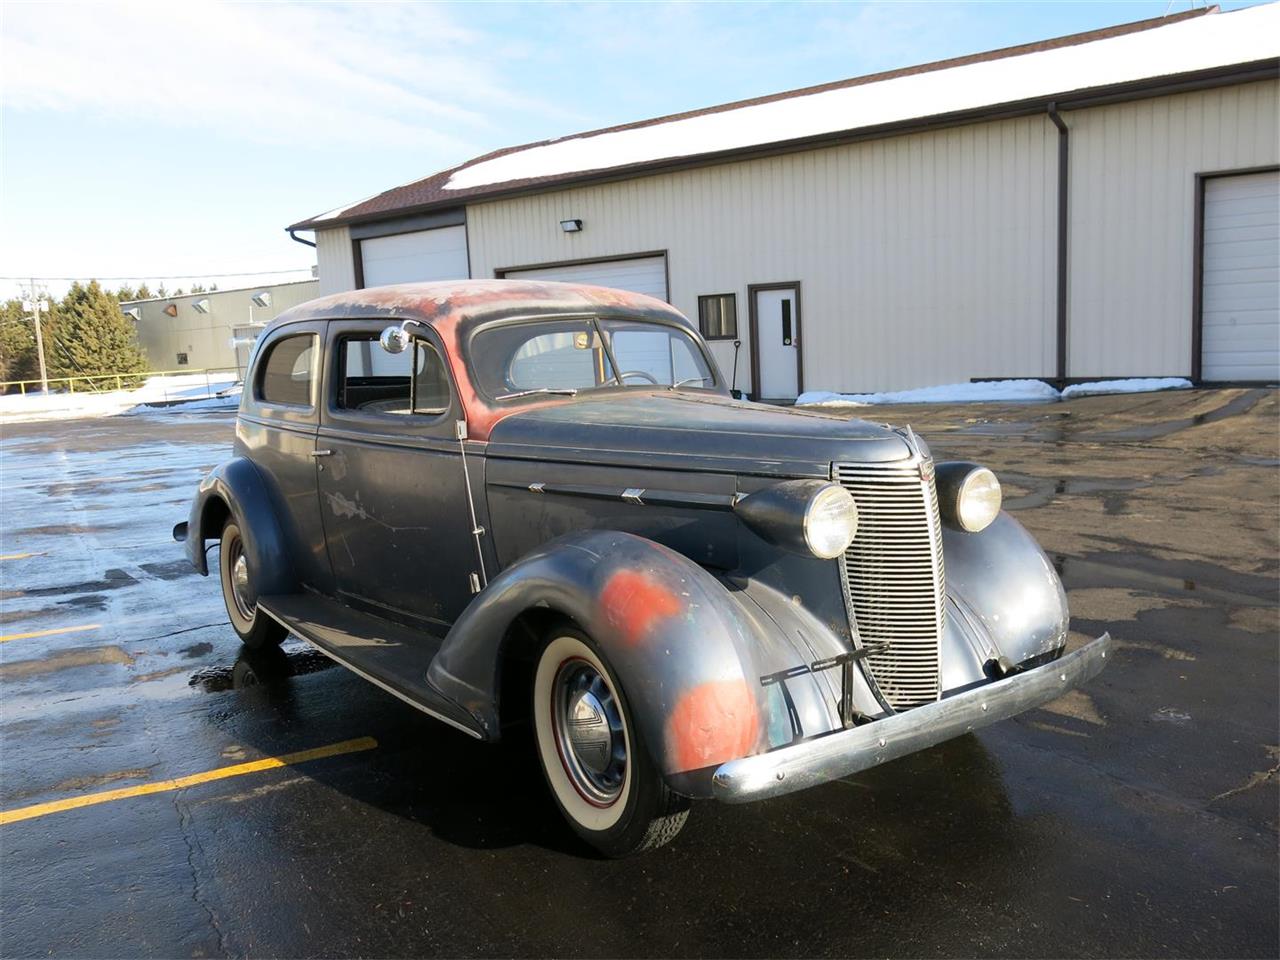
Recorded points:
(126, 293)
(161, 292)
(143, 293)
(17, 344)
(90, 335)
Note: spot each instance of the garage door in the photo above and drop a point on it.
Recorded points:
(636, 274)
(1241, 308)
(439, 254)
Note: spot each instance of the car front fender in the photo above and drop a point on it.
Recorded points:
(236, 488)
(1005, 601)
(689, 653)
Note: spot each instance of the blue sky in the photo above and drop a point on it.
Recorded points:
(180, 138)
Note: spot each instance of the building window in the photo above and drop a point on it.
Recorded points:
(718, 316)
(182, 359)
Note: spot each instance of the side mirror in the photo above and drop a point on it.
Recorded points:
(394, 339)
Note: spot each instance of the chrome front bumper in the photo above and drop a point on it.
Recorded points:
(839, 754)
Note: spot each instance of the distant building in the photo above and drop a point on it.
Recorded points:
(1099, 205)
(197, 330)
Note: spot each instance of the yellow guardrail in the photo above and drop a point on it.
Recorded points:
(117, 378)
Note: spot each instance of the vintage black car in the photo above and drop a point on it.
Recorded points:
(537, 503)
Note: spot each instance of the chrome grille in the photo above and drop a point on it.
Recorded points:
(894, 578)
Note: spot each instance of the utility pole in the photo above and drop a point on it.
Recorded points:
(38, 304)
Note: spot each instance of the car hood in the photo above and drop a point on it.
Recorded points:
(689, 431)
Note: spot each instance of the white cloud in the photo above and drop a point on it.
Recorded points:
(394, 75)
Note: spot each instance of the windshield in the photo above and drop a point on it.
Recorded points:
(568, 356)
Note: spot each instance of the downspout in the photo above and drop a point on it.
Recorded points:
(1063, 208)
(294, 236)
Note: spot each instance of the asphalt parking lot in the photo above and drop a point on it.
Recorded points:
(1135, 817)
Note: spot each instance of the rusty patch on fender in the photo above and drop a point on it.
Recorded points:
(713, 723)
(633, 602)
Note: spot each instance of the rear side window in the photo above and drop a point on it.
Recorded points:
(374, 381)
(287, 371)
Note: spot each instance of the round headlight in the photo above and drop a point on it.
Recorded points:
(979, 499)
(830, 522)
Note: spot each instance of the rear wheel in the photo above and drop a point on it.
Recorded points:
(594, 756)
(254, 627)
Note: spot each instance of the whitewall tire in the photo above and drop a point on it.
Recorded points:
(594, 757)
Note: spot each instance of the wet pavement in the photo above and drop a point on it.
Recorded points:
(1135, 817)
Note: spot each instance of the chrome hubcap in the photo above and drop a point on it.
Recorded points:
(589, 732)
(240, 583)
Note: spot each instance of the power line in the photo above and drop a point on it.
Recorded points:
(179, 276)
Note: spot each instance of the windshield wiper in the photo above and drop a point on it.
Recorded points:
(561, 391)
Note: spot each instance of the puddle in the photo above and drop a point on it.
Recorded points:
(263, 667)
(196, 650)
(82, 657)
(1232, 408)
(172, 570)
(111, 580)
(58, 530)
(1134, 571)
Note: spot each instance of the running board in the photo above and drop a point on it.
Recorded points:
(389, 655)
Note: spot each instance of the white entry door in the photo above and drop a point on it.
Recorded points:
(776, 343)
(1240, 336)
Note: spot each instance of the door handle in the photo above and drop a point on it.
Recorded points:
(321, 453)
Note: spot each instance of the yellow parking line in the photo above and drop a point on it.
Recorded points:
(19, 556)
(160, 786)
(49, 633)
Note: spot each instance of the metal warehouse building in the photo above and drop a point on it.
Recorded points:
(1100, 205)
(213, 330)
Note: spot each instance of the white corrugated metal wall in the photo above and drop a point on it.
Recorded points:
(334, 262)
(1133, 168)
(921, 259)
(927, 258)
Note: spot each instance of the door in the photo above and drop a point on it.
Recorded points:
(647, 275)
(1240, 313)
(392, 491)
(276, 429)
(775, 341)
(439, 254)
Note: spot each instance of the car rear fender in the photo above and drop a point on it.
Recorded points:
(689, 648)
(236, 488)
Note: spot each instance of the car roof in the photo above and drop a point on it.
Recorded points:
(453, 307)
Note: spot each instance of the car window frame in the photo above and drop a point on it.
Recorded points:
(374, 422)
(481, 389)
(259, 370)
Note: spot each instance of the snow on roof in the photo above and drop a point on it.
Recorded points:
(1182, 46)
(1022, 78)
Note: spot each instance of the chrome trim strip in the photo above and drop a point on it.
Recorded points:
(845, 752)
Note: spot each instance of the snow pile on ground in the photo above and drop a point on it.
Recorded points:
(991, 391)
(1138, 385)
(83, 403)
(223, 400)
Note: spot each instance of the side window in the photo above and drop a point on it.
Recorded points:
(287, 371)
(374, 381)
(718, 316)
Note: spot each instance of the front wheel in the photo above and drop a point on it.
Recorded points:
(254, 627)
(594, 757)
